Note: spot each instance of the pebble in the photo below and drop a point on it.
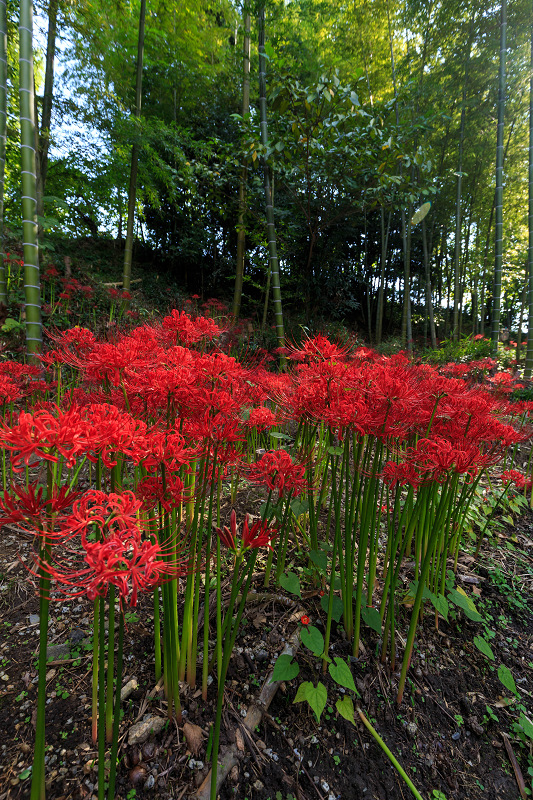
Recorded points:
(141, 730)
(56, 651)
(34, 619)
(456, 735)
(149, 782)
(411, 729)
(258, 786)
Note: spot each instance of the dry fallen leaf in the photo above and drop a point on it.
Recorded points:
(194, 737)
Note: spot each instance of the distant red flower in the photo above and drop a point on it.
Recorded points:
(305, 620)
(520, 481)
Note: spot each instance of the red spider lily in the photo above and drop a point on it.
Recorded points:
(261, 419)
(121, 559)
(520, 481)
(401, 474)
(188, 330)
(9, 391)
(277, 470)
(151, 491)
(319, 348)
(168, 447)
(115, 512)
(259, 535)
(44, 435)
(437, 458)
(28, 506)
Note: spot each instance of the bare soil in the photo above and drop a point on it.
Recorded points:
(443, 734)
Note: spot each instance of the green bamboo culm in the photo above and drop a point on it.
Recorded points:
(271, 228)
(32, 287)
(498, 205)
(529, 353)
(132, 193)
(3, 126)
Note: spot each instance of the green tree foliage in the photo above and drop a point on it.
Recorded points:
(351, 152)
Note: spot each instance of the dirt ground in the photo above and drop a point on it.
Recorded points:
(455, 732)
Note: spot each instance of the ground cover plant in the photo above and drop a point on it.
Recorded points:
(164, 490)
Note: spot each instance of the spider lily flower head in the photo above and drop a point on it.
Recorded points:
(122, 559)
(276, 470)
(257, 535)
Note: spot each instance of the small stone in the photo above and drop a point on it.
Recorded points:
(140, 732)
(325, 786)
(258, 786)
(34, 619)
(234, 774)
(76, 636)
(149, 782)
(456, 735)
(411, 729)
(261, 655)
(54, 652)
(261, 745)
(239, 740)
(128, 689)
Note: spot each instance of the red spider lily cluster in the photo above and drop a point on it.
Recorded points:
(165, 405)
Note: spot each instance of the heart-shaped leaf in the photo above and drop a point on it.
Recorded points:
(345, 709)
(312, 639)
(484, 647)
(504, 674)
(337, 607)
(285, 669)
(372, 618)
(291, 583)
(316, 696)
(341, 674)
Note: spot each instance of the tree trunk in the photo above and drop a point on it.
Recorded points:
(46, 116)
(457, 258)
(3, 126)
(428, 292)
(32, 287)
(241, 233)
(521, 317)
(529, 353)
(381, 290)
(498, 240)
(132, 192)
(271, 228)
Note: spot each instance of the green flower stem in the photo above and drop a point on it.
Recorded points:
(110, 667)
(157, 634)
(38, 771)
(209, 539)
(219, 616)
(331, 594)
(101, 703)
(280, 565)
(116, 711)
(96, 630)
(446, 494)
(389, 755)
(229, 643)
